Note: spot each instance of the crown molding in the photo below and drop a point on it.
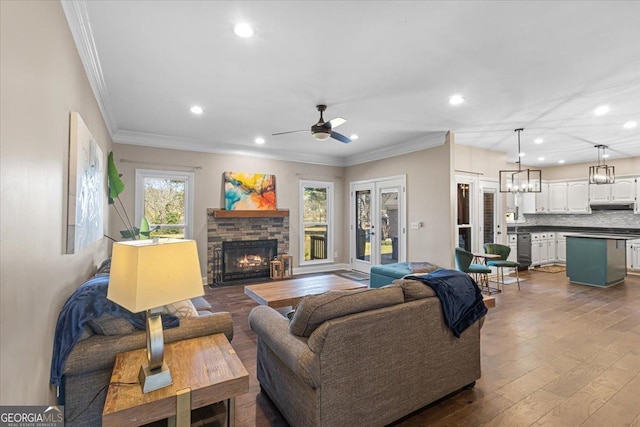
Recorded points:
(433, 139)
(430, 140)
(78, 19)
(188, 144)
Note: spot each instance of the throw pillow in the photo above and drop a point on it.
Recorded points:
(314, 310)
(182, 309)
(111, 325)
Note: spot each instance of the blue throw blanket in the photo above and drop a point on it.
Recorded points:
(459, 295)
(88, 302)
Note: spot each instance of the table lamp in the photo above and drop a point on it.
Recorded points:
(145, 276)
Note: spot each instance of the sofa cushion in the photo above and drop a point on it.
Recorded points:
(314, 310)
(201, 304)
(111, 325)
(413, 290)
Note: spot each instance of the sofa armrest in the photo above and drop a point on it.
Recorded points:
(99, 352)
(273, 329)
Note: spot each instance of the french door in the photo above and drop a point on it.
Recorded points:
(377, 226)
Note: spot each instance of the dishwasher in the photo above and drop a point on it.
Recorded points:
(524, 250)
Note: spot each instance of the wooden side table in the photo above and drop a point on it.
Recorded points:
(205, 370)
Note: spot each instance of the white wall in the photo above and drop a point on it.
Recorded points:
(41, 81)
(628, 166)
(430, 198)
(208, 186)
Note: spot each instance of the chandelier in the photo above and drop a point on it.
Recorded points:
(521, 180)
(601, 173)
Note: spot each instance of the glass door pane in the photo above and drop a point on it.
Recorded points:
(488, 217)
(363, 224)
(389, 227)
(465, 230)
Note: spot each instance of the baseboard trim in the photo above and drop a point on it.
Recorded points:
(320, 268)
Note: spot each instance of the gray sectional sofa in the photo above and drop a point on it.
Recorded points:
(362, 357)
(87, 370)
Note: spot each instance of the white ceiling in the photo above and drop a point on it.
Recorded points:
(387, 67)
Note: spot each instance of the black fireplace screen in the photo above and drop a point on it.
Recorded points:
(247, 258)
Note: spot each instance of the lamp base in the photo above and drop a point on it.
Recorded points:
(151, 380)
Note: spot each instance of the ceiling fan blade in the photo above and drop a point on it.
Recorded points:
(340, 137)
(291, 131)
(337, 122)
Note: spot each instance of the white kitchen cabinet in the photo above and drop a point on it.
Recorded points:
(552, 247)
(539, 249)
(542, 199)
(633, 254)
(558, 197)
(561, 248)
(623, 190)
(578, 197)
(599, 193)
(513, 255)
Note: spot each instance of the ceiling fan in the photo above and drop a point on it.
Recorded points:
(323, 130)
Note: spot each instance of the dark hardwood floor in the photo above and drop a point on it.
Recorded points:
(553, 354)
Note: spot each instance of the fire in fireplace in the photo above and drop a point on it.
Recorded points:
(246, 259)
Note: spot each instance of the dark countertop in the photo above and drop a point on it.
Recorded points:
(604, 236)
(568, 229)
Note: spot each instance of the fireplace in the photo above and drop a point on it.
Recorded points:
(247, 259)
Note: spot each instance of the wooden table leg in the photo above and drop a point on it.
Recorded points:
(231, 412)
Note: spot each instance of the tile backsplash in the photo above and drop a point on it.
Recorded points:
(608, 219)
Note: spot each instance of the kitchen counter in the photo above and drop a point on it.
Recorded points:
(596, 259)
(568, 229)
(605, 236)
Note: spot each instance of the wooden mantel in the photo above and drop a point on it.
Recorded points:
(223, 213)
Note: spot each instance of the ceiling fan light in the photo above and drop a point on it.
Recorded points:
(321, 135)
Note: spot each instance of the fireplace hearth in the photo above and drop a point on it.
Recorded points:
(247, 259)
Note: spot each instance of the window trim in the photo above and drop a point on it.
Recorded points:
(330, 215)
(142, 174)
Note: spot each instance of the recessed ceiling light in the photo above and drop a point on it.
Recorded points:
(353, 136)
(456, 100)
(197, 110)
(521, 155)
(243, 30)
(259, 140)
(560, 161)
(538, 140)
(605, 156)
(601, 110)
(540, 159)
(630, 125)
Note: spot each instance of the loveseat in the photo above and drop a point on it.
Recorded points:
(87, 370)
(362, 357)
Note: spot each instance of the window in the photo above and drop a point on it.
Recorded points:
(316, 241)
(165, 198)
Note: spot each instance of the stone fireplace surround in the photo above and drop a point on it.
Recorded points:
(244, 225)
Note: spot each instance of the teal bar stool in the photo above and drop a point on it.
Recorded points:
(464, 264)
(500, 264)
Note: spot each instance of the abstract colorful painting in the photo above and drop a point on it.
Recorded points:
(86, 193)
(249, 191)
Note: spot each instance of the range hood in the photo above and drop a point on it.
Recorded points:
(627, 206)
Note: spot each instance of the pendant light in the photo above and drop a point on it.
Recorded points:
(521, 180)
(601, 173)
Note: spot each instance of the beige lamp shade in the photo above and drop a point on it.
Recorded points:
(146, 275)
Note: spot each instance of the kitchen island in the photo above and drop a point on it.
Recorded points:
(596, 259)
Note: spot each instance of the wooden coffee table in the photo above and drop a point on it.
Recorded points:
(288, 293)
